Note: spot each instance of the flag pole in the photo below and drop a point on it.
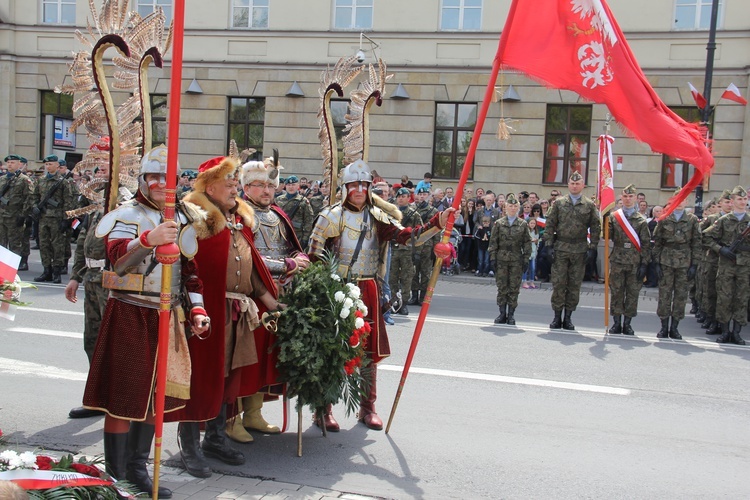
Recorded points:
(605, 221)
(168, 254)
(443, 247)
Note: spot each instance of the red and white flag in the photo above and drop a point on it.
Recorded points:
(697, 96)
(605, 188)
(8, 269)
(75, 223)
(577, 45)
(733, 94)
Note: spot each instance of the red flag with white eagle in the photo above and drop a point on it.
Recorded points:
(733, 94)
(605, 188)
(577, 45)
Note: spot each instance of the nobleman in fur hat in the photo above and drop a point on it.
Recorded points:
(237, 288)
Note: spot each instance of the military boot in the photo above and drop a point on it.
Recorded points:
(694, 309)
(45, 276)
(708, 323)
(664, 332)
(140, 437)
(403, 310)
(502, 317)
(714, 329)
(56, 275)
(422, 294)
(215, 444)
(673, 332)
(414, 299)
(700, 317)
(616, 324)
(725, 336)
(557, 321)
(567, 324)
(736, 329)
(626, 328)
(511, 320)
(191, 454)
(24, 264)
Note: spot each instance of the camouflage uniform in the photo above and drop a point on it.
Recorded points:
(299, 211)
(423, 258)
(710, 268)
(317, 202)
(53, 237)
(402, 260)
(566, 231)
(510, 250)
(15, 207)
(677, 246)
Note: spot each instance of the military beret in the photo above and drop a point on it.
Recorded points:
(50, 158)
(185, 174)
(725, 195)
(739, 191)
(629, 189)
(63, 163)
(402, 191)
(511, 200)
(423, 189)
(12, 157)
(575, 177)
(291, 179)
(24, 160)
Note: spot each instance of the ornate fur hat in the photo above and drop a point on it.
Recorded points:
(263, 171)
(216, 169)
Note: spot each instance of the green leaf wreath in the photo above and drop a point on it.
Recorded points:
(321, 336)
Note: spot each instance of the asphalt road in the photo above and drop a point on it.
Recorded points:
(487, 411)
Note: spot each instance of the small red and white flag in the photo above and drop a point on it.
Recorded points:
(697, 96)
(8, 269)
(733, 94)
(541, 222)
(75, 224)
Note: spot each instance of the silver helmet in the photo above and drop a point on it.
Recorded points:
(357, 171)
(154, 162)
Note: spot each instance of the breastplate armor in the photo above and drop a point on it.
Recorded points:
(271, 240)
(352, 225)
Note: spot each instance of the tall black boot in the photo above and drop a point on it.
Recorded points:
(664, 332)
(140, 437)
(24, 264)
(567, 324)
(56, 275)
(736, 329)
(502, 317)
(116, 454)
(626, 328)
(189, 437)
(673, 332)
(215, 444)
(557, 321)
(45, 276)
(616, 324)
(725, 336)
(511, 320)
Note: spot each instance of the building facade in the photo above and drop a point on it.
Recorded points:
(242, 59)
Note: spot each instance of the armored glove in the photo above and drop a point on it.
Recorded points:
(659, 271)
(691, 271)
(727, 253)
(641, 273)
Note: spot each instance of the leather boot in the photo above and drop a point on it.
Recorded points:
(626, 328)
(56, 275)
(45, 276)
(694, 309)
(674, 333)
(140, 437)
(725, 336)
(24, 264)
(708, 322)
(191, 454)
(736, 329)
(557, 321)
(422, 293)
(700, 317)
(367, 413)
(253, 419)
(616, 324)
(215, 443)
(567, 324)
(328, 420)
(502, 317)
(414, 299)
(235, 426)
(116, 454)
(81, 412)
(664, 332)
(511, 319)
(715, 328)
(404, 311)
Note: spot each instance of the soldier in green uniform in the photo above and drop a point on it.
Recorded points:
(402, 263)
(62, 170)
(509, 250)
(677, 246)
(697, 297)
(711, 267)
(15, 208)
(732, 244)
(297, 208)
(422, 254)
(566, 235)
(51, 198)
(628, 262)
(25, 244)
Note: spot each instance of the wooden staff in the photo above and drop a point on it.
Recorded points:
(605, 221)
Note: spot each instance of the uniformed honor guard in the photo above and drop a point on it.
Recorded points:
(571, 234)
(711, 266)
(402, 259)
(509, 250)
(677, 244)
(730, 239)
(423, 254)
(297, 209)
(15, 208)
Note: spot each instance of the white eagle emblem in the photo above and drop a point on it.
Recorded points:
(595, 68)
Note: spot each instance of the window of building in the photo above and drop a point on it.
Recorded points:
(566, 142)
(246, 120)
(353, 14)
(250, 14)
(339, 110)
(674, 171)
(454, 128)
(158, 119)
(461, 15)
(694, 14)
(146, 7)
(55, 108)
(59, 11)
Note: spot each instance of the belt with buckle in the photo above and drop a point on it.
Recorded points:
(96, 263)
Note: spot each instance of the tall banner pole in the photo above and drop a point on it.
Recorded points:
(168, 254)
(605, 220)
(442, 249)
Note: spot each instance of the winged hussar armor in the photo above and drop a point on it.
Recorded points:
(272, 241)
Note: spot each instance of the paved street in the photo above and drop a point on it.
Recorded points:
(487, 412)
